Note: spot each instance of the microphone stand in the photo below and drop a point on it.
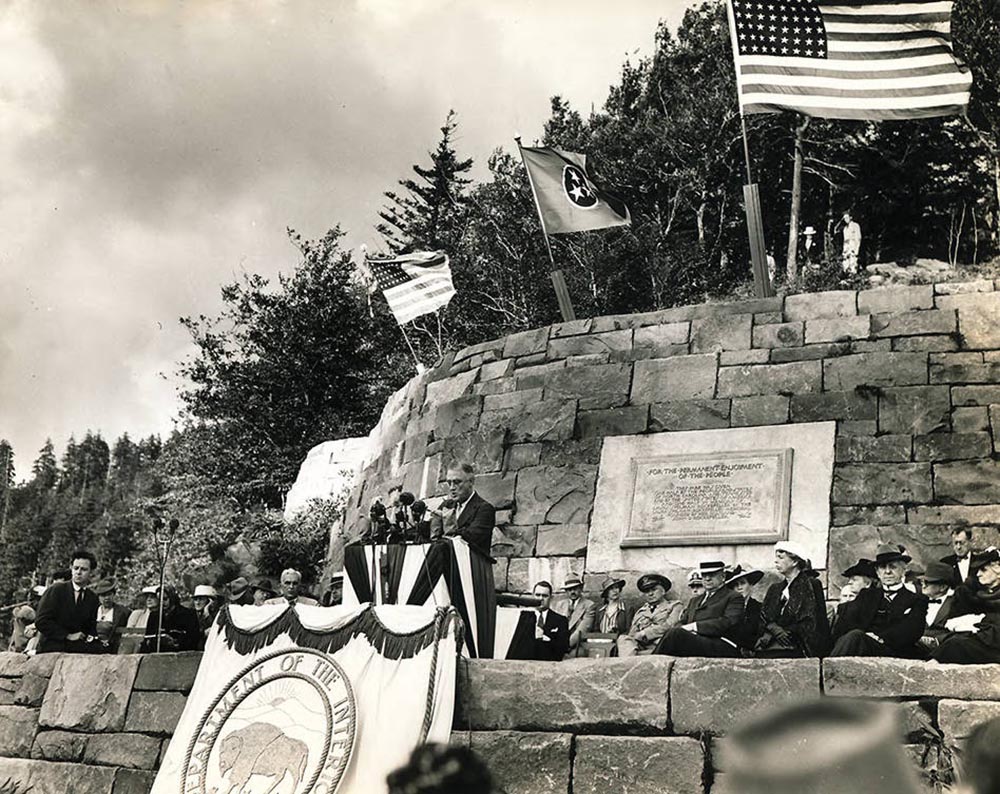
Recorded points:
(163, 557)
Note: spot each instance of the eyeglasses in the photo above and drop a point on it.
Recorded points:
(696, 586)
(454, 482)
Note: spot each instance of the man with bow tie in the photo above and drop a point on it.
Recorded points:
(936, 584)
(961, 560)
(885, 621)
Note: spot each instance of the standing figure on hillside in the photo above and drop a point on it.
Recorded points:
(794, 610)
(653, 619)
(579, 611)
(67, 614)
(974, 636)
(886, 621)
(707, 619)
(852, 244)
(749, 629)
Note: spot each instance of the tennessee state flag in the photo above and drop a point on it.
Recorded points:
(567, 198)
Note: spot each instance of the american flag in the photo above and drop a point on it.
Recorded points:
(856, 60)
(413, 284)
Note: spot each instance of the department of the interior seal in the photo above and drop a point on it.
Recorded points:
(284, 724)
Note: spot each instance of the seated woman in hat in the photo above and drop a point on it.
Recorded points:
(885, 621)
(613, 616)
(652, 619)
(748, 630)
(794, 610)
(974, 636)
(859, 576)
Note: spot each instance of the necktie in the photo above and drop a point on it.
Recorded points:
(79, 596)
(935, 600)
(541, 621)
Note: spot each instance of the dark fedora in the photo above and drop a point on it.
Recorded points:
(609, 582)
(711, 566)
(261, 583)
(938, 573)
(887, 554)
(104, 586)
(237, 588)
(650, 580)
(863, 567)
(739, 575)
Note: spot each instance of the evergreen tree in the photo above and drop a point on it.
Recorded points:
(45, 470)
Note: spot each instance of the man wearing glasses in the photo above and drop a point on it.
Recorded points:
(474, 517)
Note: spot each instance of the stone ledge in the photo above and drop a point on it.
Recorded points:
(45, 777)
(523, 762)
(582, 695)
(894, 678)
(89, 693)
(957, 718)
(154, 712)
(638, 765)
(168, 671)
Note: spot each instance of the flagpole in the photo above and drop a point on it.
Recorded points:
(556, 274)
(751, 195)
(420, 367)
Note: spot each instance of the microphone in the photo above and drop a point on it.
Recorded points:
(406, 499)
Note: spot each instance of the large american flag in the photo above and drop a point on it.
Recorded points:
(856, 60)
(413, 284)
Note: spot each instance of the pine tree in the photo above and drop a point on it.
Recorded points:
(45, 470)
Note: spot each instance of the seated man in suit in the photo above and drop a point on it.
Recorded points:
(706, 619)
(653, 619)
(579, 611)
(935, 583)
(961, 561)
(551, 628)
(67, 614)
(465, 513)
(974, 632)
(291, 589)
(885, 621)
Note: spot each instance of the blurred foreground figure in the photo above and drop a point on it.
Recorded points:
(442, 769)
(981, 767)
(828, 746)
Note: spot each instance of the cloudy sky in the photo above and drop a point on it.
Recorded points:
(153, 150)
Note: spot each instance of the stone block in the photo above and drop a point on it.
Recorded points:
(17, 731)
(723, 332)
(526, 342)
(784, 355)
(962, 287)
(132, 750)
(581, 695)
(638, 765)
(492, 345)
(767, 409)
(963, 368)
(874, 369)
(732, 358)
(977, 318)
(906, 678)
(873, 449)
(89, 693)
(871, 345)
(42, 665)
(12, 665)
(168, 671)
(952, 446)
(703, 697)
(924, 344)
(678, 378)
(881, 483)
(795, 378)
(44, 777)
(958, 718)
(513, 540)
(838, 329)
(916, 719)
(483, 448)
(868, 514)
(925, 543)
(962, 515)
(530, 374)
(591, 359)
(59, 746)
(970, 420)
(555, 540)
(617, 344)
(133, 781)
(600, 386)
(809, 306)
(968, 483)
(448, 389)
(497, 489)
(834, 405)
(496, 369)
(975, 395)
(570, 328)
(613, 421)
(917, 410)
(660, 341)
(154, 712)
(31, 690)
(895, 299)
(689, 415)
(566, 453)
(458, 416)
(767, 318)
(523, 762)
(520, 456)
(779, 335)
(8, 688)
(522, 573)
(514, 399)
(915, 323)
(555, 495)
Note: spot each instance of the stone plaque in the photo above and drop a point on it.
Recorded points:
(708, 499)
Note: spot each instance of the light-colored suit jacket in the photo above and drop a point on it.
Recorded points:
(581, 619)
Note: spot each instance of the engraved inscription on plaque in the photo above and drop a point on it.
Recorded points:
(707, 499)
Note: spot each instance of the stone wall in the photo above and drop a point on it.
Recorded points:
(100, 724)
(911, 376)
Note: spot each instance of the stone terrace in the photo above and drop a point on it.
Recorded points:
(100, 724)
(911, 375)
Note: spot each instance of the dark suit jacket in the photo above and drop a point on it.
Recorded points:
(58, 615)
(181, 631)
(907, 618)
(971, 581)
(475, 524)
(721, 612)
(556, 628)
(947, 611)
(745, 633)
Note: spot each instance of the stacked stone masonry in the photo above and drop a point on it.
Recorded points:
(100, 725)
(911, 376)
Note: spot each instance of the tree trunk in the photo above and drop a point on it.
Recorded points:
(791, 262)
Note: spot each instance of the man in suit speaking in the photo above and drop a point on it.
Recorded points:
(67, 614)
(474, 517)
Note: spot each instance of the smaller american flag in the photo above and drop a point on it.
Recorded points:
(413, 284)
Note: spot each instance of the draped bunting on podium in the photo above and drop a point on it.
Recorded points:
(440, 573)
(313, 699)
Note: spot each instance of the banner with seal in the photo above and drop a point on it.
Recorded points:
(313, 700)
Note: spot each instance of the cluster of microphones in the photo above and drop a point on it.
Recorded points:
(405, 520)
